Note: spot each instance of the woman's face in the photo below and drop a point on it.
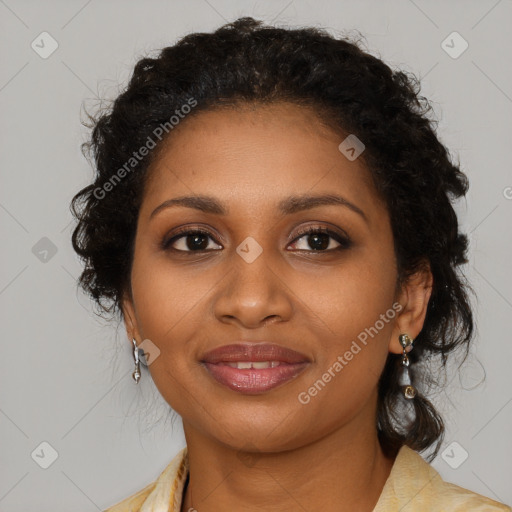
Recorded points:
(257, 278)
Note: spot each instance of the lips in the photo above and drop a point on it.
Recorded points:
(240, 352)
(231, 366)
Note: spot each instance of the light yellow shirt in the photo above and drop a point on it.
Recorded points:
(413, 485)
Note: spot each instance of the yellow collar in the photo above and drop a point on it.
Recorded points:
(413, 485)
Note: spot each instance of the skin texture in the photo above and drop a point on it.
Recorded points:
(269, 451)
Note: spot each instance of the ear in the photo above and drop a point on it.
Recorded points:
(130, 318)
(414, 297)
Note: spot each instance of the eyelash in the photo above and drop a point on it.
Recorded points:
(344, 241)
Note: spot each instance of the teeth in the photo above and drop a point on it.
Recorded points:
(261, 364)
(257, 365)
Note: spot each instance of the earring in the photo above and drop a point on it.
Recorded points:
(136, 374)
(408, 389)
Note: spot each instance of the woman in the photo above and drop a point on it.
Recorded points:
(272, 221)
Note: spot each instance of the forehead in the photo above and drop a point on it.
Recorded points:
(257, 154)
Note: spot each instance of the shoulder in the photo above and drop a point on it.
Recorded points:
(134, 502)
(451, 497)
(165, 493)
(415, 486)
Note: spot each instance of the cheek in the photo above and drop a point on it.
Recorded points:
(355, 294)
(166, 296)
(351, 358)
(166, 303)
(356, 310)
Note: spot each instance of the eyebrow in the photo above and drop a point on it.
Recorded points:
(288, 206)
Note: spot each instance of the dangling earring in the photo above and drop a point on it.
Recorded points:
(408, 389)
(136, 374)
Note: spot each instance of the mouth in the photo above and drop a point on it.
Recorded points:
(254, 368)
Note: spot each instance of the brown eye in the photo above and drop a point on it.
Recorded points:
(321, 239)
(191, 240)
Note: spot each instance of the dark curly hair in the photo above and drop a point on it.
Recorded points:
(351, 91)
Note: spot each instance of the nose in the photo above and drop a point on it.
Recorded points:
(253, 294)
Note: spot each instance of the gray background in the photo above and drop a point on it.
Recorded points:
(66, 376)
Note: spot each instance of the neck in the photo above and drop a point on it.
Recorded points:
(343, 471)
